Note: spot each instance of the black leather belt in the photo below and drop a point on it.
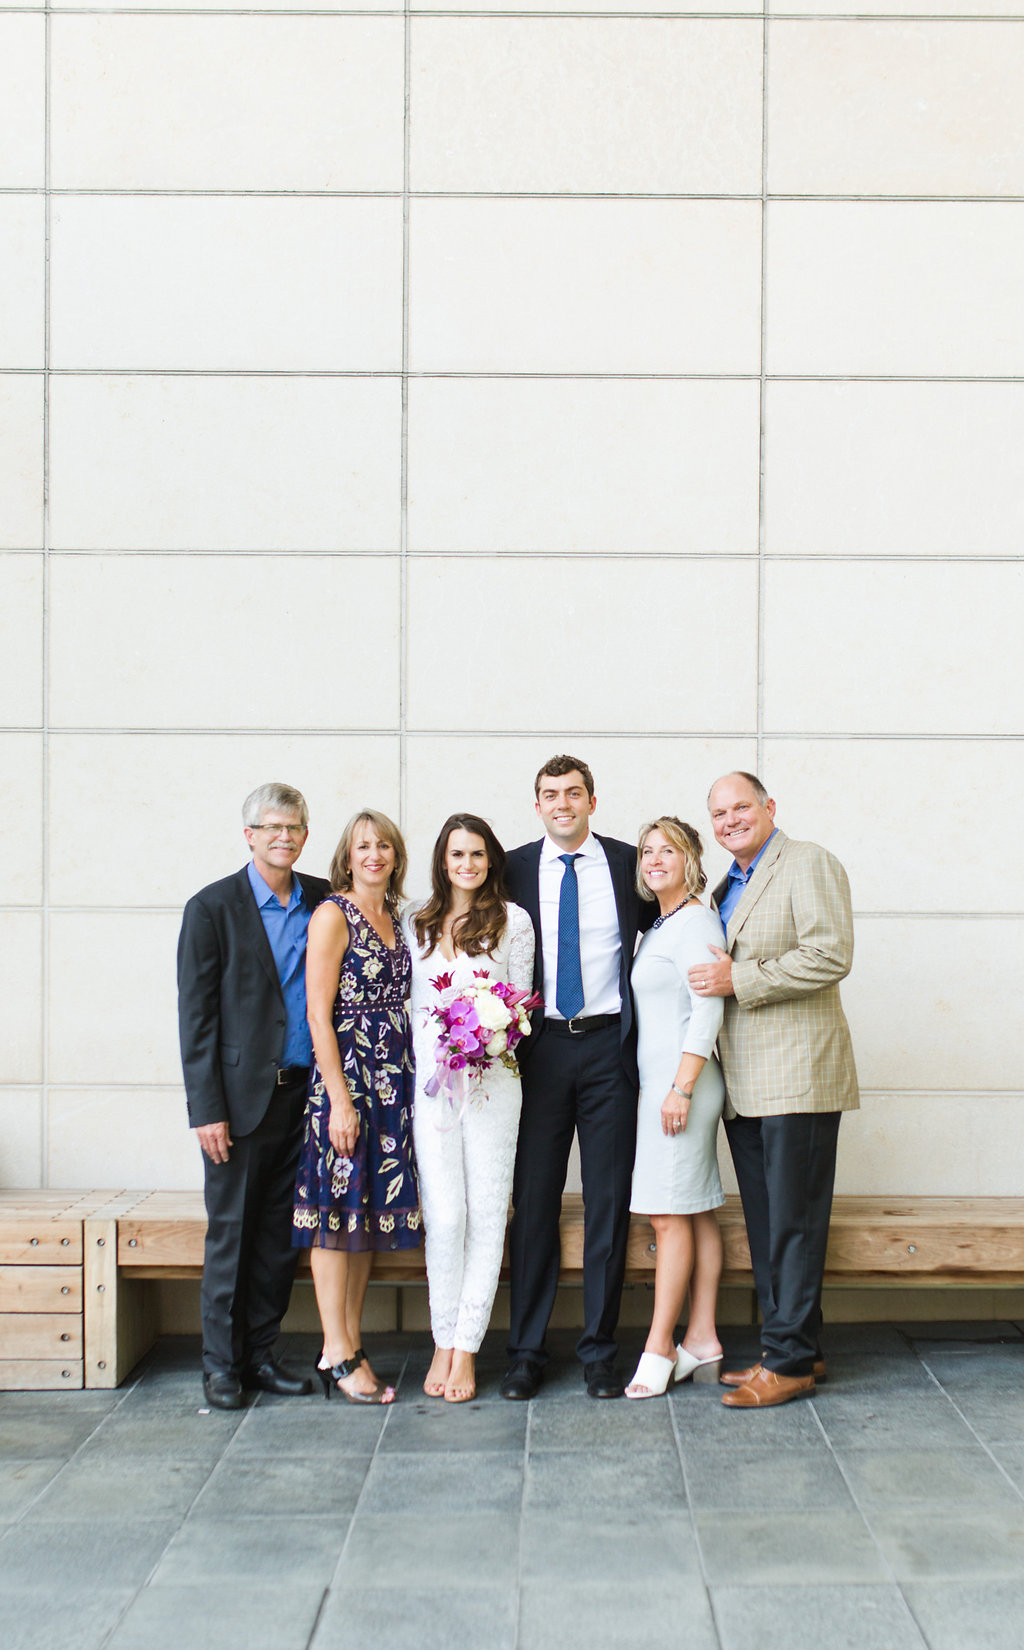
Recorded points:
(288, 1076)
(580, 1027)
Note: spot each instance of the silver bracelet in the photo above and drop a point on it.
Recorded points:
(682, 1093)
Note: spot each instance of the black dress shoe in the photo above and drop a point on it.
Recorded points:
(521, 1380)
(270, 1377)
(601, 1379)
(222, 1390)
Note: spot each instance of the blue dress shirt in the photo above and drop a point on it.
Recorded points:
(737, 882)
(286, 930)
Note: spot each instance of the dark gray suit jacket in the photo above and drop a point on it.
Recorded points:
(231, 1015)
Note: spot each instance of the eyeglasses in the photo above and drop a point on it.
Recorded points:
(280, 830)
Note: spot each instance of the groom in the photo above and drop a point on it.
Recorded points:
(579, 1074)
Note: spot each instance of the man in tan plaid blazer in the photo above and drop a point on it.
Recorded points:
(788, 1066)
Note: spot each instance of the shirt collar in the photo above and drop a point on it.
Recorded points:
(590, 847)
(265, 894)
(736, 875)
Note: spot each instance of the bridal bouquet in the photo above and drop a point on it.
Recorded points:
(481, 1025)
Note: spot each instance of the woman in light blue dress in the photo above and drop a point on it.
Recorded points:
(675, 1175)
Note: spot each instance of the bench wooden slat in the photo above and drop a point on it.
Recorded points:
(36, 1241)
(40, 1289)
(40, 1374)
(41, 1334)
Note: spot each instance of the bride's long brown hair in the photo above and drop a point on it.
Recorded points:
(478, 932)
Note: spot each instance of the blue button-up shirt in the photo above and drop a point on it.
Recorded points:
(286, 930)
(737, 882)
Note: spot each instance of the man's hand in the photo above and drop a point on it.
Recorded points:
(215, 1139)
(713, 979)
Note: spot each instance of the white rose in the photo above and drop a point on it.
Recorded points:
(498, 1044)
(492, 1012)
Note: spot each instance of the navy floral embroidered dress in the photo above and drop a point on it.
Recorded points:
(369, 1200)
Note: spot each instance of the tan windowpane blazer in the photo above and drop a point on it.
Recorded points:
(785, 1043)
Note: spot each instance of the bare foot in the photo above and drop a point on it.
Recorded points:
(437, 1374)
(460, 1386)
(704, 1350)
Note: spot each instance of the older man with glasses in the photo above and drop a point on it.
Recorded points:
(246, 1052)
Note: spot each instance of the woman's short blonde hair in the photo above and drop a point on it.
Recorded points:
(387, 830)
(686, 841)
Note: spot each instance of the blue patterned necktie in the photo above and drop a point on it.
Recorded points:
(569, 987)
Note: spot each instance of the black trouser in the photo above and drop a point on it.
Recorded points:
(249, 1263)
(572, 1085)
(786, 1168)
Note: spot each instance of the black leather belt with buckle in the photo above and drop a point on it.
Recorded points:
(580, 1027)
(288, 1076)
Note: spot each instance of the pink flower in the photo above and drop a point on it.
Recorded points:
(442, 982)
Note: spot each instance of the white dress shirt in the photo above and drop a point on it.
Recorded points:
(600, 942)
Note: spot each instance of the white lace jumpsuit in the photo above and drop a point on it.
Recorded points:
(465, 1162)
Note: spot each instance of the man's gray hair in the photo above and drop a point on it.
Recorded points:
(752, 780)
(275, 796)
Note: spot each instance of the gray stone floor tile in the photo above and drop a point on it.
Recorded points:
(434, 1485)
(85, 1401)
(844, 1339)
(557, 1548)
(996, 1417)
(104, 1554)
(417, 1618)
(236, 1618)
(60, 1618)
(956, 1332)
(309, 1426)
(858, 1420)
(792, 1479)
(1011, 1459)
(831, 1618)
(879, 1372)
(181, 1433)
(603, 1483)
(802, 1548)
(209, 1552)
(616, 1615)
(943, 1481)
(435, 1425)
(36, 1435)
(264, 1486)
(635, 1424)
(700, 1414)
(112, 1486)
(956, 1547)
(978, 1368)
(456, 1551)
(969, 1615)
(20, 1483)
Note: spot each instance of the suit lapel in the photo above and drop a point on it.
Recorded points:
(756, 886)
(252, 925)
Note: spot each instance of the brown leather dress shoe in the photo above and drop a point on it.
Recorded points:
(740, 1377)
(766, 1388)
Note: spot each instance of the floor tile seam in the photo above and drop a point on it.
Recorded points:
(708, 1594)
(62, 1469)
(334, 1576)
(1017, 1490)
(869, 1526)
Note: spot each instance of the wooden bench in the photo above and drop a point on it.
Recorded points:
(74, 1266)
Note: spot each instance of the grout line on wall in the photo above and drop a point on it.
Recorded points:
(403, 618)
(860, 197)
(810, 557)
(502, 375)
(44, 960)
(762, 398)
(424, 13)
(770, 735)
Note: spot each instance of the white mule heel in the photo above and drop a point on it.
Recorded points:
(652, 1374)
(687, 1367)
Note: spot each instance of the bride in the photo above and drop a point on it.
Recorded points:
(464, 1152)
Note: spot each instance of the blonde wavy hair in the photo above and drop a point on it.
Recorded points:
(686, 841)
(387, 830)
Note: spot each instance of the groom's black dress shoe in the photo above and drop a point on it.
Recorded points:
(268, 1376)
(521, 1380)
(222, 1390)
(601, 1379)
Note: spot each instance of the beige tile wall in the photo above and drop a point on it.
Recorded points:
(390, 399)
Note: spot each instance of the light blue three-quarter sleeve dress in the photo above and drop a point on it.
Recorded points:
(677, 1174)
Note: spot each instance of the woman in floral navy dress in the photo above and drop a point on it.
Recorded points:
(356, 1188)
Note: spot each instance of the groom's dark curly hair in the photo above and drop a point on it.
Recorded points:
(559, 766)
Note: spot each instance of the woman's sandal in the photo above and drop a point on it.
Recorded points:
(331, 1378)
(651, 1376)
(697, 1369)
